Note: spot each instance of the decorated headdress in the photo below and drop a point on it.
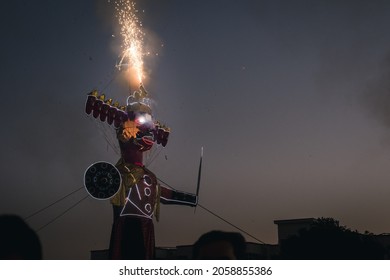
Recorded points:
(138, 103)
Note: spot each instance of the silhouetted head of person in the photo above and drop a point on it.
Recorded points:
(17, 240)
(219, 245)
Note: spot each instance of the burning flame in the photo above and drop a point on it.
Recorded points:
(132, 34)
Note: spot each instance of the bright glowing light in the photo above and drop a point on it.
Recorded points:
(141, 120)
(132, 34)
(144, 119)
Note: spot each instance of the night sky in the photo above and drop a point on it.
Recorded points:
(290, 100)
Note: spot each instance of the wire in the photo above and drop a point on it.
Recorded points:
(226, 221)
(219, 217)
(48, 206)
(63, 213)
(113, 147)
(154, 156)
(150, 154)
(103, 129)
(114, 76)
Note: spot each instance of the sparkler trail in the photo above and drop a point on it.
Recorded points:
(132, 34)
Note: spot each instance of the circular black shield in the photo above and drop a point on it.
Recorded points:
(102, 180)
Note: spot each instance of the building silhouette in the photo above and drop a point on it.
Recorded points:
(285, 229)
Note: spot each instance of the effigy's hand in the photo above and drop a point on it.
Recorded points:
(170, 196)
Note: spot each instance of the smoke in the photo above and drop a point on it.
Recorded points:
(376, 96)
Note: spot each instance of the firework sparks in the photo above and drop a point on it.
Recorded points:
(132, 34)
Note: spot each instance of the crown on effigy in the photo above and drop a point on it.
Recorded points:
(114, 113)
(139, 101)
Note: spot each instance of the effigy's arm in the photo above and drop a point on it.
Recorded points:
(170, 196)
